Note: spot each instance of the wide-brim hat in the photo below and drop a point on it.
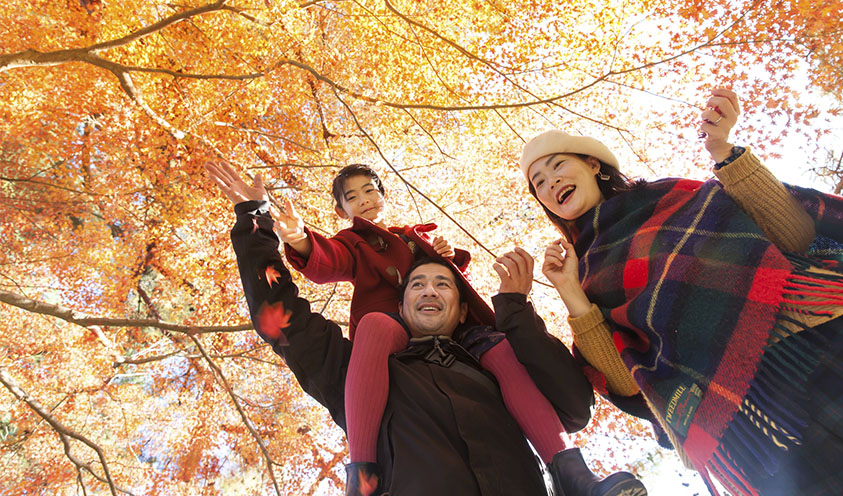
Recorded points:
(556, 141)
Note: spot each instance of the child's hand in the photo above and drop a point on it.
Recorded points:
(443, 248)
(230, 182)
(560, 265)
(515, 269)
(290, 228)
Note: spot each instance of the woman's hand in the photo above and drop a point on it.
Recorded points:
(230, 182)
(443, 248)
(515, 269)
(561, 269)
(718, 119)
(560, 264)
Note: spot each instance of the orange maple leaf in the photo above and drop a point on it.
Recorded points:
(272, 319)
(272, 275)
(368, 482)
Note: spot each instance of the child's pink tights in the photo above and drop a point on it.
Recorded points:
(527, 405)
(367, 387)
(367, 382)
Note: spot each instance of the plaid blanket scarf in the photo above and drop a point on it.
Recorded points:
(692, 289)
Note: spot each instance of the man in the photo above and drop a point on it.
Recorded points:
(445, 430)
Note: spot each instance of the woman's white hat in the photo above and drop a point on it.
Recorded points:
(556, 141)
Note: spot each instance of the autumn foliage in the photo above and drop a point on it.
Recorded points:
(126, 355)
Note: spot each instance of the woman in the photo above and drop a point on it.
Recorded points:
(696, 304)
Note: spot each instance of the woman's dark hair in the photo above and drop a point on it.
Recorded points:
(462, 287)
(616, 184)
(346, 173)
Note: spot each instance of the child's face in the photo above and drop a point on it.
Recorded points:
(566, 184)
(362, 198)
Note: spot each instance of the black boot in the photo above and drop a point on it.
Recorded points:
(571, 477)
(363, 479)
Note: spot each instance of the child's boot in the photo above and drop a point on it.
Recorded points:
(363, 479)
(571, 477)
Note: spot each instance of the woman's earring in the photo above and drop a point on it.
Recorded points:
(602, 176)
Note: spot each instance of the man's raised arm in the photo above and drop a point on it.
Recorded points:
(312, 346)
(549, 362)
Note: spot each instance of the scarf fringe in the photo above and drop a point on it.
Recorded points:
(770, 421)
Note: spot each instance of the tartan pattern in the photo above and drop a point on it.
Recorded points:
(815, 468)
(700, 289)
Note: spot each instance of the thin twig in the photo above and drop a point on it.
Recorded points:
(246, 421)
(64, 433)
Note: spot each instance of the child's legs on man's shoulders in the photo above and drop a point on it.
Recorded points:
(530, 408)
(367, 383)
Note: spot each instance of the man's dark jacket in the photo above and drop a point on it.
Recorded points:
(445, 430)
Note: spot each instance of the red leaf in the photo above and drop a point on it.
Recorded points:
(368, 482)
(272, 275)
(272, 319)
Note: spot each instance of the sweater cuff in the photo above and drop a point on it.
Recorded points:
(737, 151)
(586, 322)
(739, 169)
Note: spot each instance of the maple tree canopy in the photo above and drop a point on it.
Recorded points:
(126, 356)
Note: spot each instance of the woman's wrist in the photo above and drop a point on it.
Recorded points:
(720, 151)
(734, 154)
(574, 298)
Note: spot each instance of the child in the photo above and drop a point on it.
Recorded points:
(374, 257)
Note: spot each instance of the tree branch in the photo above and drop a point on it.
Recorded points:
(87, 321)
(64, 433)
(158, 26)
(255, 435)
(141, 361)
(408, 183)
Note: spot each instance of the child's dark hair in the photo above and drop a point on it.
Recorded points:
(349, 171)
(616, 184)
(462, 287)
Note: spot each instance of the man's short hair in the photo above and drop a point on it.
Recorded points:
(462, 286)
(349, 171)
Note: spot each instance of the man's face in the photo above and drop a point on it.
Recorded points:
(431, 303)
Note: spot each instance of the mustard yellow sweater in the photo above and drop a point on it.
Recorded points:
(764, 198)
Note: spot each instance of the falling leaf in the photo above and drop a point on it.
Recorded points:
(368, 482)
(272, 275)
(272, 319)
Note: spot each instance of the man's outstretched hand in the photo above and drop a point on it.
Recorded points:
(230, 182)
(515, 269)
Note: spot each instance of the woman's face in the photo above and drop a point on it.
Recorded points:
(566, 184)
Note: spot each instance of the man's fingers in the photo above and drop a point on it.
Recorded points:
(219, 169)
(515, 264)
(507, 261)
(501, 270)
(215, 173)
(526, 260)
(219, 182)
